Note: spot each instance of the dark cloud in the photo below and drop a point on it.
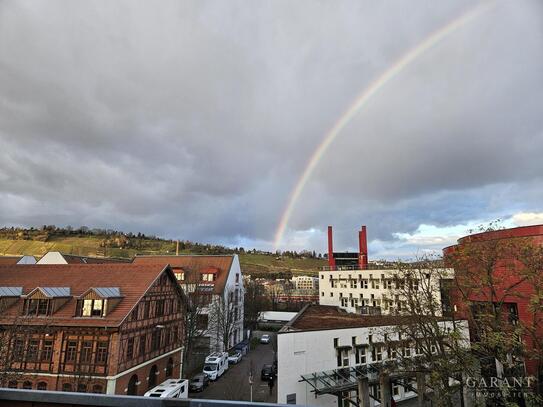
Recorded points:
(195, 119)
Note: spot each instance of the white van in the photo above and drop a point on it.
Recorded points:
(216, 364)
(172, 388)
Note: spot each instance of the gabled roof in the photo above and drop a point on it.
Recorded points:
(52, 292)
(219, 265)
(131, 280)
(105, 292)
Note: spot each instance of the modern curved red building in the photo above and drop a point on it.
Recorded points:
(509, 282)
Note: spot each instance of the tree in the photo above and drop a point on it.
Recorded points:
(430, 346)
(223, 317)
(255, 302)
(492, 275)
(196, 319)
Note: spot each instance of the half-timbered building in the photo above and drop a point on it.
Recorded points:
(102, 328)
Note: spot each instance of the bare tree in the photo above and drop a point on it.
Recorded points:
(430, 345)
(199, 297)
(255, 302)
(224, 317)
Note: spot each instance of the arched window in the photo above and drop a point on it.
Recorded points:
(42, 386)
(132, 389)
(27, 385)
(153, 373)
(97, 388)
(12, 384)
(67, 387)
(169, 368)
(82, 388)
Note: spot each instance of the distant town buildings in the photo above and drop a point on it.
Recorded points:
(100, 328)
(308, 283)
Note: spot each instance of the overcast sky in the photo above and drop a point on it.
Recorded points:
(194, 120)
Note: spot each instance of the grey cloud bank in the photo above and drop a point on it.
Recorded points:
(195, 119)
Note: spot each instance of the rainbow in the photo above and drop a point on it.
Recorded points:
(373, 88)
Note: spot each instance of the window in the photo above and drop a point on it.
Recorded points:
(37, 307)
(237, 277)
(375, 284)
(143, 339)
(86, 352)
(169, 368)
(97, 388)
(343, 357)
(82, 388)
(322, 293)
(92, 308)
(153, 373)
(159, 308)
(360, 355)
(129, 348)
(101, 352)
(146, 309)
(41, 386)
(32, 353)
(47, 351)
(331, 294)
(132, 388)
(12, 384)
(407, 351)
(71, 350)
(180, 276)
(377, 354)
(364, 284)
(27, 385)
(67, 387)
(354, 284)
(134, 314)
(208, 277)
(395, 390)
(155, 340)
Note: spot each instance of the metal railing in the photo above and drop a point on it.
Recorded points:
(19, 397)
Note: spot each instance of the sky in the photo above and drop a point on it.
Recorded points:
(195, 120)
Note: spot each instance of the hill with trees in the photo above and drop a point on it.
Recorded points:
(85, 241)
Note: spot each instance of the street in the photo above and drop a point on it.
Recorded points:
(234, 383)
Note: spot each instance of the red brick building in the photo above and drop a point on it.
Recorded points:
(103, 328)
(496, 259)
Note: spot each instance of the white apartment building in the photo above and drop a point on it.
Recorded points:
(321, 343)
(373, 291)
(305, 282)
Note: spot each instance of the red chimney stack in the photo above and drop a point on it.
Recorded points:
(331, 260)
(363, 249)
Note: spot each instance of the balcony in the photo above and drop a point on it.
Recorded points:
(37, 398)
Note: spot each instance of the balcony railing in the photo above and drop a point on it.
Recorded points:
(37, 398)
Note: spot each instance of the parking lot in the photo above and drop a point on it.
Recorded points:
(234, 383)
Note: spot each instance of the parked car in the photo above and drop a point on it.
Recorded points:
(235, 357)
(265, 338)
(199, 382)
(267, 372)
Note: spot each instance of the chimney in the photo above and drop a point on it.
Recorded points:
(331, 260)
(363, 249)
(177, 249)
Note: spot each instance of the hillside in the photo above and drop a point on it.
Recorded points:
(36, 242)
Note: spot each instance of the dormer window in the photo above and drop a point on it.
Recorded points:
(208, 277)
(45, 300)
(97, 301)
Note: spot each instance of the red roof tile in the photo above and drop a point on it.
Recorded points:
(132, 280)
(219, 265)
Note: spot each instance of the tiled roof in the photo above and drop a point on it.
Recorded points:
(321, 317)
(9, 260)
(195, 264)
(131, 280)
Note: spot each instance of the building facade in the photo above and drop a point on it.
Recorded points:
(318, 348)
(308, 283)
(104, 328)
(215, 284)
(513, 291)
